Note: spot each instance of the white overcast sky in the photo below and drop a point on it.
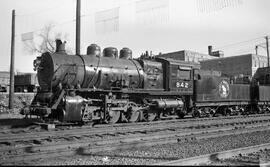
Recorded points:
(186, 28)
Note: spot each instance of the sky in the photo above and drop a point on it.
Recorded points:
(153, 25)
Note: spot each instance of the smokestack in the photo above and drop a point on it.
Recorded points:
(210, 50)
(58, 43)
(60, 46)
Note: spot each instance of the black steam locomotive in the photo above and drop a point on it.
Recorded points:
(107, 88)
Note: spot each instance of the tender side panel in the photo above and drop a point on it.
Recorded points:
(264, 93)
(239, 92)
(218, 89)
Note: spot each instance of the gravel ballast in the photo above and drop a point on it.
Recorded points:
(256, 158)
(159, 153)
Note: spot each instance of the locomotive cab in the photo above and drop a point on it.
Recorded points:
(178, 75)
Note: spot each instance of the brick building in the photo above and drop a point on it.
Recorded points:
(187, 55)
(245, 65)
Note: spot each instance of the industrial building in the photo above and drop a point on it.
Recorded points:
(192, 56)
(245, 65)
(240, 67)
(187, 55)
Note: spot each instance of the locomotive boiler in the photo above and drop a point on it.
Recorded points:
(88, 71)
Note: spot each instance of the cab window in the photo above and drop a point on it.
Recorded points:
(183, 74)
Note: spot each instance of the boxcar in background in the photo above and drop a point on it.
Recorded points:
(262, 79)
(26, 83)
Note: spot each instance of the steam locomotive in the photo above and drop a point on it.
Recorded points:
(106, 88)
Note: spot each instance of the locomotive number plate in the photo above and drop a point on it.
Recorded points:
(182, 84)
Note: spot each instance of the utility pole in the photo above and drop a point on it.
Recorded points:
(78, 27)
(11, 80)
(267, 49)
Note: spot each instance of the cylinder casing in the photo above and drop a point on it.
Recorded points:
(168, 103)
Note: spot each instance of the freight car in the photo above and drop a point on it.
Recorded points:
(261, 89)
(26, 82)
(107, 88)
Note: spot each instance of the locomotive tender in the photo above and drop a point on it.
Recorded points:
(107, 88)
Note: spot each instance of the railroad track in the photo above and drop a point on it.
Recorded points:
(215, 157)
(116, 131)
(127, 125)
(186, 119)
(90, 146)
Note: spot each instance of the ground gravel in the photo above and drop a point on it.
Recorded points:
(256, 158)
(20, 100)
(160, 153)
